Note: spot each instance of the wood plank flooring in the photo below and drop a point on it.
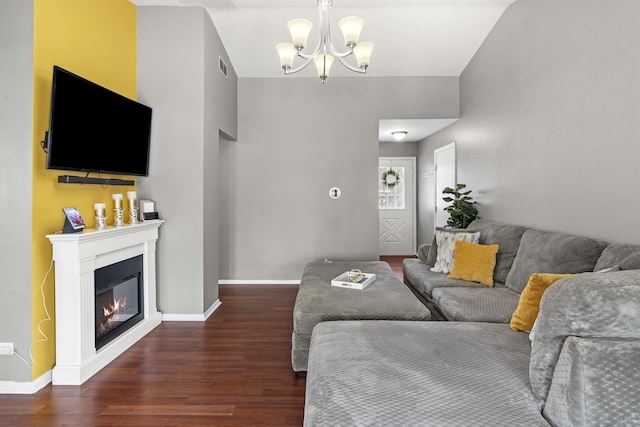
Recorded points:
(232, 370)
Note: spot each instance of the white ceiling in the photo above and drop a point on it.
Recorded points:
(416, 129)
(411, 37)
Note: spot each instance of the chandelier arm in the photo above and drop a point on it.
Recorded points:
(309, 55)
(330, 45)
(337, 54)
(300, 67)
(351, 67)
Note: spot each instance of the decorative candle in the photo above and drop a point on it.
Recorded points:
(100, 209)
(132, 198)
(117, 200)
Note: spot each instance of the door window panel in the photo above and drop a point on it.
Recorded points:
(391, 188)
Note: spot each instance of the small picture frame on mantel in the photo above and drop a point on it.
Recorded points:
(73, 221)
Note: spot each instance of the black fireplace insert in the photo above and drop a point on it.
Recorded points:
(119, 299)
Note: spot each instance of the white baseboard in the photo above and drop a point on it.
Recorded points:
(258, 282)
(169, 317)
(29, 387)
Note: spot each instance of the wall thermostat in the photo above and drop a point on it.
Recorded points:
(335, 193)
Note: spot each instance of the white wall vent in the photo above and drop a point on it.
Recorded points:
(222, 66)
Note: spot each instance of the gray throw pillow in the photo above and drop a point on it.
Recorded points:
(432, 255)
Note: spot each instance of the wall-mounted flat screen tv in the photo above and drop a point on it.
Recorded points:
(94, 129)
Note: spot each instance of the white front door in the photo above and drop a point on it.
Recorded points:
(445, 166)
(396, 205)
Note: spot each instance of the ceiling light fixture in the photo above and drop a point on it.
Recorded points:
(324, 54)
(399, 135)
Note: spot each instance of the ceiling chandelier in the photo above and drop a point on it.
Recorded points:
(325, 53)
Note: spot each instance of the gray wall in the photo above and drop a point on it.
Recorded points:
(16, 157)
(177, 76)
(398, 149)
(549, 135)
(297, 139)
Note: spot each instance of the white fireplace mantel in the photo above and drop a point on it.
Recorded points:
(77, 256)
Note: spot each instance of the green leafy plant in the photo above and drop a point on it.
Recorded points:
(462, 210)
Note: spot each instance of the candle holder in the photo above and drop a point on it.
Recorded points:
(101, 217)
(133, 209)
(119, 217)
(101, 222)
(134, 215)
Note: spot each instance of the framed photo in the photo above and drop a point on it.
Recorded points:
(75, 219)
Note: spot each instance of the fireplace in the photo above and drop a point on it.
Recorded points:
(118, 298)
(113, 267)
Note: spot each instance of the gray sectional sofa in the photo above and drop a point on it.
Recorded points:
(579, 366)
(523, 251)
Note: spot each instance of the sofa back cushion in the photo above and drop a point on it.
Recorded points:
(589, 305)
(507, 237)
(627, 257)
(551, 252)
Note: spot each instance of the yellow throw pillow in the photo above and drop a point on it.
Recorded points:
(529, 303)
(474, 262)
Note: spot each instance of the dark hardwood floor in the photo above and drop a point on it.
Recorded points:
(232, 370)
(396, 263)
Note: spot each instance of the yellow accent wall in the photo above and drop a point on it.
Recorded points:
(97, 40)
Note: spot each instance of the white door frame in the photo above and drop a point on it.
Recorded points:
(438, 195)
(414, 221)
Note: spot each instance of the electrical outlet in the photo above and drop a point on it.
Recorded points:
(6, 348)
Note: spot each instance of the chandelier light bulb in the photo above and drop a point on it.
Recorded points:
(399, 135)
(287, 53)
(323, 65)
(351, 26)
(300, 30)
(362, 51)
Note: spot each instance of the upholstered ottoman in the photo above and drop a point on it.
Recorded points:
(387, 298)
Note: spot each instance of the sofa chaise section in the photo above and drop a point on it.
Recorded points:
(387, 298)
(419, 374)
(580, 369)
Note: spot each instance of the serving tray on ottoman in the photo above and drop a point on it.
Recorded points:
(386, 298)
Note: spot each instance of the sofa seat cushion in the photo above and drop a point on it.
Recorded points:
(484, 304)
(627, 257)
(376, 373)
(420, 277)
(551, 252)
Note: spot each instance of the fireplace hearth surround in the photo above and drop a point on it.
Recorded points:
(79, 353)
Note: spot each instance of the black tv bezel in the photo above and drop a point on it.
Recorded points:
(49, 134)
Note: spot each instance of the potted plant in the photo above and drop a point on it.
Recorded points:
(462, 210)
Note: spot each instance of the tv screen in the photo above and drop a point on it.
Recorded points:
(94, 129)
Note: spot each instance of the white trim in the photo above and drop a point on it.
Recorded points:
(169, 317)
(258, 282)
(437, 196)
(28, 387)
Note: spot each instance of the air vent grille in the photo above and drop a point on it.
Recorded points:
(222, 66)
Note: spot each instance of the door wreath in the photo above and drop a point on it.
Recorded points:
(390, 178)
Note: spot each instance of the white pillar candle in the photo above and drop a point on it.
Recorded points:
(117, 200)
(100, 208)
(132, 198)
